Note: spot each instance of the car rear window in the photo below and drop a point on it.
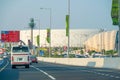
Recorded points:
(20, 49)
(33, 57)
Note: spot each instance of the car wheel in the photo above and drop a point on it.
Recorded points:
(27, 66)
(13, 66)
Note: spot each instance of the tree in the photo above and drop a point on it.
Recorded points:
(110, 52)
(81, 51)
(32, 25)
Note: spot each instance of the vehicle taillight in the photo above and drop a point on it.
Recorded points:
(28, 58)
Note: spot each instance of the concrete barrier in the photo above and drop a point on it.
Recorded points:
(91, 62)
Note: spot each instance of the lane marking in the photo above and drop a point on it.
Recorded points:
(50, 76)
(111, 76)
(4, 66)
(106, 74)
(117, 77)
(102, 74)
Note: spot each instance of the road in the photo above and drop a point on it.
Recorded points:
(49, 71)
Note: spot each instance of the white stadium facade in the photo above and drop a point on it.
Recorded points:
(58, 37)
(103, 41)
(91, 39)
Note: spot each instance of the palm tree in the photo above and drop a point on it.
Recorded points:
(32, 25)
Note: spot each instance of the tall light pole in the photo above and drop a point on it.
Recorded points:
(50, 10)
(101, 38)
(39, 30)
(115, 14)
(68, 29)
(38, 37)
(119, 27)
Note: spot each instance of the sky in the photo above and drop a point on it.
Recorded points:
(84, 14)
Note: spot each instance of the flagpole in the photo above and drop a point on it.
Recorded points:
(50, 12)
(68, 29)
(50, 32)
(119, 27)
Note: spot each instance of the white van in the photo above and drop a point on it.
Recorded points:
(20, 56)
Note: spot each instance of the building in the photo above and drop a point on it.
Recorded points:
(91, 39)
(58, 37)
(102, 41)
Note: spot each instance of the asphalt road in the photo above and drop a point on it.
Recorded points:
(48, 71)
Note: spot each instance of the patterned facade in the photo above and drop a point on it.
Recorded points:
(102, 41)
(91, 39)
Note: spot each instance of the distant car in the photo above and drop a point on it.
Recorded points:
(33, 59)
(5, 55)
(97, 55)
(65, 55)
(81, 56)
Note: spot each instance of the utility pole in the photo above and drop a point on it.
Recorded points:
(119, 28)
(50, 10)
(68, 49)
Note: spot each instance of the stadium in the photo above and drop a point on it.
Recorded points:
(58, 37)
(91, 39)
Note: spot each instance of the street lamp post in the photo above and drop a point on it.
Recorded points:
(119, 27)
(38, 36)
(102, 40)
(50, 10)
(39, 30)
(68, 29)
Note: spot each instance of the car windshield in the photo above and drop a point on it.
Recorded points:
(20, 49)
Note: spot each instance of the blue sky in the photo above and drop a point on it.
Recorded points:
(85, 14)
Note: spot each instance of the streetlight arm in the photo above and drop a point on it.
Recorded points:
(50, 27)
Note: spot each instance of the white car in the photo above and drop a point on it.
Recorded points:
(20, 56)
(5, 55)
